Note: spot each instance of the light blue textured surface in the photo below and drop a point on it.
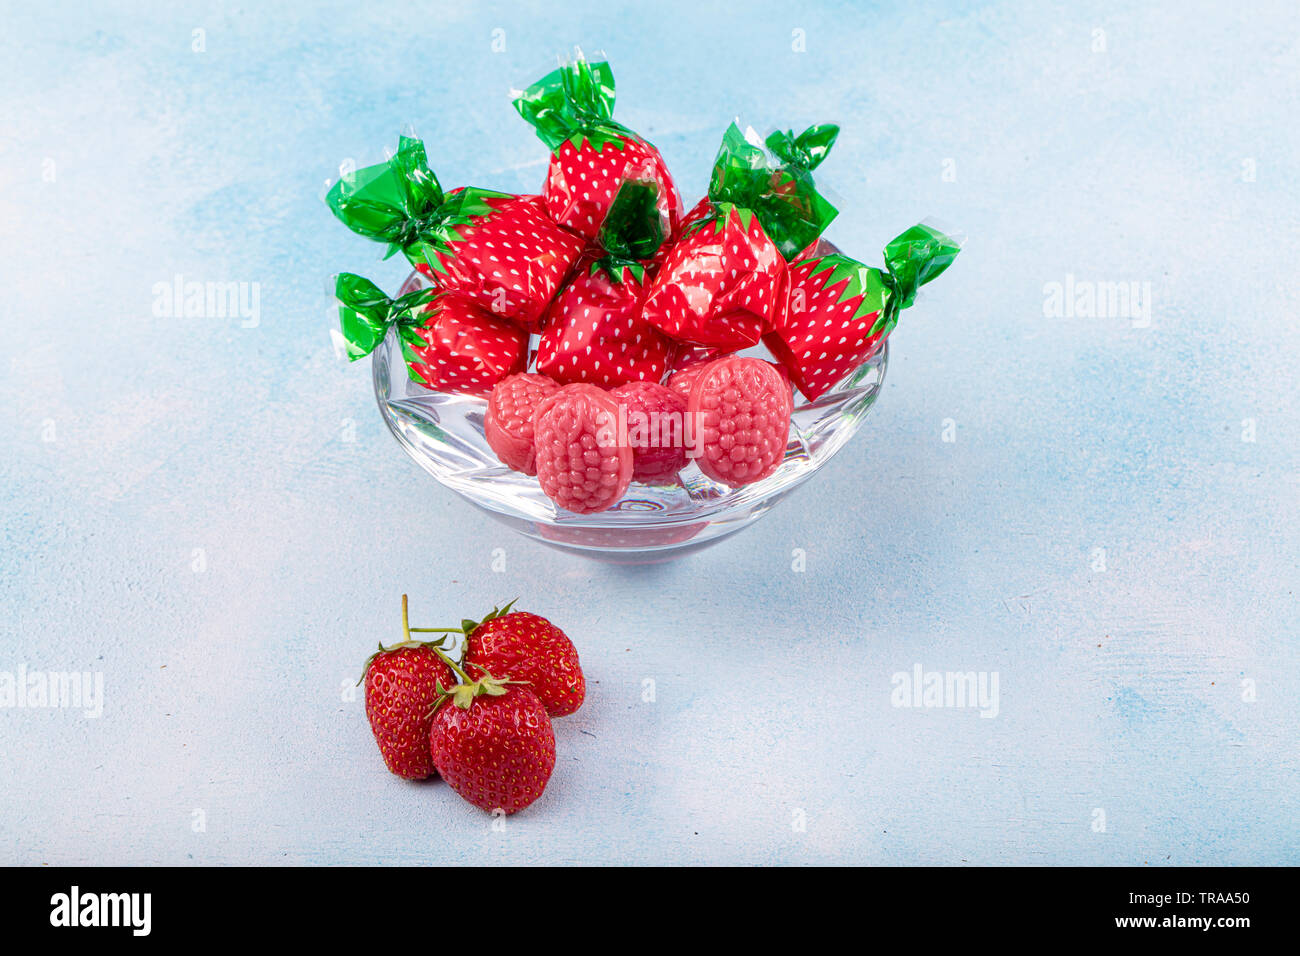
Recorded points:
(133, 441)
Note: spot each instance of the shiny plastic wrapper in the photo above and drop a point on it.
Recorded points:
(595, 330)
(499, 251)
(572, 110)
(722, 284)
(449, 344)
(839, 311)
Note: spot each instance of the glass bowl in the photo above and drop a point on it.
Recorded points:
(444, 434)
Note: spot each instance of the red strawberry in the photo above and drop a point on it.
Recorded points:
(583, 463)
(492, 741)
(462, 348)
(839, 311)
(595, 332)
(591, 155)
(741, 411)
(401, 688)
(721, 284)
(500, 251)
(656, 430)
(528, 648)
(508, 424)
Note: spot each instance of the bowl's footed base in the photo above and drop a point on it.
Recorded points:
(624, 545)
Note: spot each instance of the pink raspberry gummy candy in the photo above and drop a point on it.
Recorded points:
(683, 380)
(656, 430)
(508, 425)
(584, 463)
(740, 408)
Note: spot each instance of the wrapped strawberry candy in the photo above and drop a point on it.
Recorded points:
(595, 331)
(722, 283)
(839, 311)
(572, 110)
(449, 343)
(792, 210)
(499, 251)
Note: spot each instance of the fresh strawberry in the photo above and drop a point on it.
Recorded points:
(449, 343)
(492, 741)
(591, 155)
(584, 464)
(740, 408)
(508, 424)
(528, 648)
(402, 684)
(839, 311)
(501, 252)
(656, 430)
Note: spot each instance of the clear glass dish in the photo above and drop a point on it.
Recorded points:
(444, 434)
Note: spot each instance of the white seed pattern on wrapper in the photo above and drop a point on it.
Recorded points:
(729, 304)
(595, 333)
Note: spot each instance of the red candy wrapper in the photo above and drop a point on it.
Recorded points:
(498, 251)
(448, 342)
(595, 331)
(839, 311)
(722, 284)
(572, 110)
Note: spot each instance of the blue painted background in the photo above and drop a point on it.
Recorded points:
(183, 511)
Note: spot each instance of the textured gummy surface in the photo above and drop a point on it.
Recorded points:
(508, 424)
(401, 687)
(583, 463)
(683, 381)
(526, 647)
(741, 408)
(499, 753)
(655, 417)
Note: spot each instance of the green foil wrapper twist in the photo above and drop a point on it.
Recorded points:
(912, 259)
(805, 151)
(782, 194)
(571, 103)
(633, 230)
(366, 314)
(401, 203)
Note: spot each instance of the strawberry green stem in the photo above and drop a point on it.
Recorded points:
(465, 678)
